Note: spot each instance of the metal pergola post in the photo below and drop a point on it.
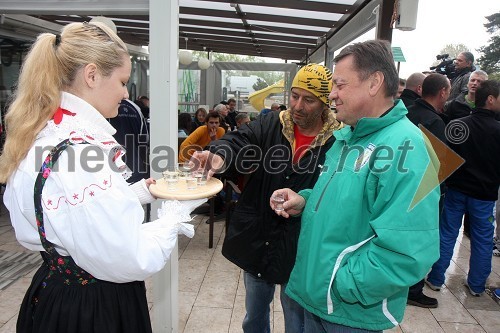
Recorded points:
(164, 25)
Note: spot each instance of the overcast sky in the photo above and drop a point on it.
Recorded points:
(441, 22)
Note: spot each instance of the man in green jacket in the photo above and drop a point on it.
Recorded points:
(370, 224)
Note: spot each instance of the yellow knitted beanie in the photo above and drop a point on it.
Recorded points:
(316, 79)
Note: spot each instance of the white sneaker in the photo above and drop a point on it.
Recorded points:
(472, 292)
(496, 252)
(433, 287)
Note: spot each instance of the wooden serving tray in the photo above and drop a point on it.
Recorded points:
(181, 192)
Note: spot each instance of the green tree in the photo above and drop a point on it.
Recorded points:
(230, 58)
(453, 50)
(490, 58)
(267, 77)
(270, 77)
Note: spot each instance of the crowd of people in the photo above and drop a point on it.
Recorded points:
(363, 221)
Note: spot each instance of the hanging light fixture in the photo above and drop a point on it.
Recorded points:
(204, 63)
(185, 56)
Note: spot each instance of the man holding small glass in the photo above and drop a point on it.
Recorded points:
(279, 149)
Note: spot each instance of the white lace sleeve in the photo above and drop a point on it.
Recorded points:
(142, 192)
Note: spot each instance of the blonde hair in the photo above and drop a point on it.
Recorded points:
(51, 65)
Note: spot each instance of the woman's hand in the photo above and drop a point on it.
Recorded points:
(293, 203)
(149, 181)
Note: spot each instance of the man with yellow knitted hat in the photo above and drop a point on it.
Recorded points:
(279, 149)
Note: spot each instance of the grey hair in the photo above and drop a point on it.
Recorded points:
(481, 73)
(219, 107)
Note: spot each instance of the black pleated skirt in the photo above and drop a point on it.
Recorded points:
(51, 306)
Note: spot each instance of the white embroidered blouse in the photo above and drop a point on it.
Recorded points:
(90, 211)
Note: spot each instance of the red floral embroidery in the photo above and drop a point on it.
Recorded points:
(53, 204)
(60, 261)
(46, 173)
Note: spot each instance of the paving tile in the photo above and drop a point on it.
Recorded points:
(277, 300)
(450, 309)
(238, 314)
(462, 328)
(191, 274)
(418, 320)
(220, 263)
(186, 303)
(7, 237)
(208, 320)
(10, 326)
(278, 322)
(241, 285)
(218, 290)
(11, 298)
(396, 329)
(461, 292)
(489, 320)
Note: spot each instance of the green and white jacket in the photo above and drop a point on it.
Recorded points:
(370, 226)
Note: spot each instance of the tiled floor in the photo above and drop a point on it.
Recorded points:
(211, 291)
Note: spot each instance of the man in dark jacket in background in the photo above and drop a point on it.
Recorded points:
(132, 134)
(231, 116)
(426, 112)
(279, 149)
(413, 89)
(473, 188)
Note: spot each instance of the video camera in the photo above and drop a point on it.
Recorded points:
(445, 67)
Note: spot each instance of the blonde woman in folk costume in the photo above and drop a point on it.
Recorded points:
(82, 216)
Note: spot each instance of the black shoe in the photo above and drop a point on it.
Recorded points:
(203, 209)
(219, 215)
(422, 301)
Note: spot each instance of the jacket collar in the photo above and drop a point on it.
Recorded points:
(330, 124)
(484, 113)
(410, 94)
(367, 126)
(422, 102)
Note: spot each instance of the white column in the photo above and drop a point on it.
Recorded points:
(164, 40)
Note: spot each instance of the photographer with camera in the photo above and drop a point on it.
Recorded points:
(464, 65)
(445, 67)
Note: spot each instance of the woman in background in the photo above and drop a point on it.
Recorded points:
(199, 118)
(184, 125)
